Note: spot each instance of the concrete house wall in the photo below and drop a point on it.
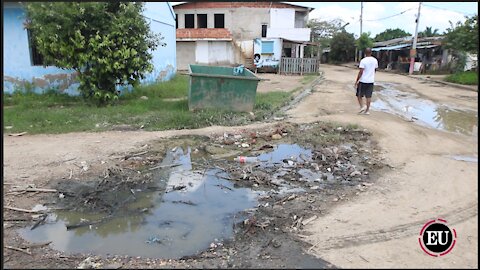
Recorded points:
(244, 21)
(19, 70)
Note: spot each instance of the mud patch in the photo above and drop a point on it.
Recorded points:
(190, 198)
(425, 112)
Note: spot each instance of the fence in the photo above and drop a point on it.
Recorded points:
(298, 65)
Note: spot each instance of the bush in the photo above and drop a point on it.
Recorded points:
(466, 77)
(108, 44)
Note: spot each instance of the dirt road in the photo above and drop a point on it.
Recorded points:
(379, 228)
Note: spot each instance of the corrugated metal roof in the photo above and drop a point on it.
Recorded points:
(427, 46)
(389, 48)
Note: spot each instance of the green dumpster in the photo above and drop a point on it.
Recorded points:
(225, 88)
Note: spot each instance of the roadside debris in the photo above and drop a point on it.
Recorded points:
(89, 264)
(291, 171)
(17, 134)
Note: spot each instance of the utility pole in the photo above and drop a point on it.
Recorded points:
(361, 21)
(413, 51)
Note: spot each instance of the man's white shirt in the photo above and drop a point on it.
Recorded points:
(369, 64)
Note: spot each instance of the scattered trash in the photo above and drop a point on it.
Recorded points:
(8, 127)
(39, 207)
(88, 264)
(154, 240)
(308, 220)
(276, 136)
(355, 173)
(243, 159)
(61, 195)
(84, 166)
(245, 145)
(17, 134)
(144, 97)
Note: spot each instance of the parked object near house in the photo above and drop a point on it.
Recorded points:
(225, 88)
(228, 33)
(23, 64)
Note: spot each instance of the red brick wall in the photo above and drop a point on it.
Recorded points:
(194, 5)
(203, 33)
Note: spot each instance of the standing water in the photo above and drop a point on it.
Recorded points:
(195, 210)
(425, 112)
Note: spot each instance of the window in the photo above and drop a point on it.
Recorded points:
(264, 30)
(287, 52)
(219, 20)
(176, 21)
(267, 47)
(35, 57)
(189, 21)
(201, 20)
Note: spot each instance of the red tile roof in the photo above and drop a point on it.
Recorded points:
(220, 33)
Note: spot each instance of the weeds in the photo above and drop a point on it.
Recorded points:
(466, 77)
(54, 112)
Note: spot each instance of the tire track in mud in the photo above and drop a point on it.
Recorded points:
(401, 231)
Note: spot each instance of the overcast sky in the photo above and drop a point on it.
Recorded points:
(433, 14)
(376, 15)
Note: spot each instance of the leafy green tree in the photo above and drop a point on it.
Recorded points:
(108, 43)
(463, 36)
(342, 47)
(428, 32)
(323, 31)
(364, 41)
(390, 34)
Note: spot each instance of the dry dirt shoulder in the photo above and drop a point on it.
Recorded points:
(380, 228)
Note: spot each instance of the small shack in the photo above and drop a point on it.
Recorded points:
(395, 54)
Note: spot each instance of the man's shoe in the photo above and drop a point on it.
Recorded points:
(362, 109)
(367, 113)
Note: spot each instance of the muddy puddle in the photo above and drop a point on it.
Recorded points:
(425, 112)
(193, 211)
(191, 196)
(464, 158)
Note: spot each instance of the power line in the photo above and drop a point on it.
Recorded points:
(449, 10)
(390, 16)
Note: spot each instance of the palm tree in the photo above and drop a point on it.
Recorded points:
(428, 32)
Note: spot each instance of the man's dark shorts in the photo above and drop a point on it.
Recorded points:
(364, 90)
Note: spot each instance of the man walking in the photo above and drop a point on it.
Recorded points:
(365, 80)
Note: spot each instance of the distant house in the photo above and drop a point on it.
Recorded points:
(232, 33)
(23, 64)
(394, 54)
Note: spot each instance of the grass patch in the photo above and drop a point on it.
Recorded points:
(177, 87)
(60, 113)
(308, 79)
(466, 77)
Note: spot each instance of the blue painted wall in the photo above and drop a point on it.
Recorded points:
(18, 67)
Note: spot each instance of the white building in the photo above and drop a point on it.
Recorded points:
(223, 33)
